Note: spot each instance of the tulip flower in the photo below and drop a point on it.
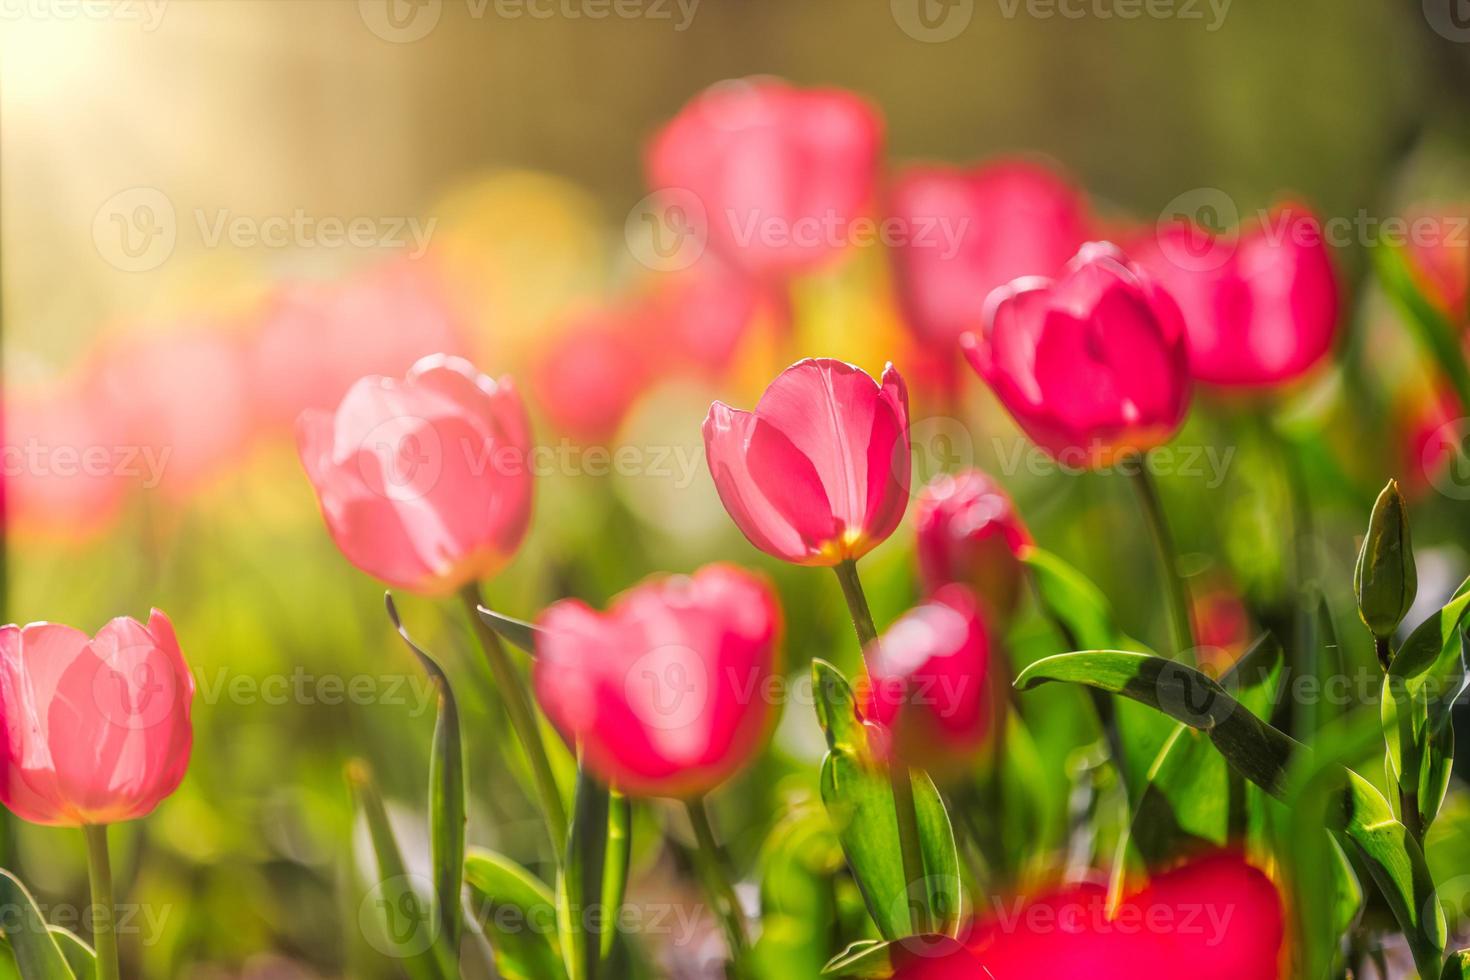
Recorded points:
(667, 692)
(928, 682)
(818, 474)
(1385, 580)
(424, 483)
(1439, 257)
(1213, 918)
(972, 231)
(969, 532)
(1260, 305)
(593, 371)
(97, 729)
(780, 173)
(1093, 365)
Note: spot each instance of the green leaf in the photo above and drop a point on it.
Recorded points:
(1262, 754)
(519, 913)
(581, 882)
(797, 870)
(864, 958)
(859, 799)
(516, 632)
(1457, 967)
(79, 956)
(615, 871)
(446, 792)
(36, 951)
(836, 707)
(412, 929)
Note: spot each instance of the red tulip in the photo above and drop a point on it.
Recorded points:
(819, 472)
(1438, 248)
(593, 371)
(1260, 306)
(928, 681)
(968, 531)
(97, 729)
(1213, 918)
(1092, 365)
(780, 173)
(318, 338)
(972, 231)
(424, 483)
(668, 692)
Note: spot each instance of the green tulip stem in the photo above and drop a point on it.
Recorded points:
(99, 876)
(898, 774)
(522, 718)
(1174, 585)
(715, 867)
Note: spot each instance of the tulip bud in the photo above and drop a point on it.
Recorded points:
(1384, 581)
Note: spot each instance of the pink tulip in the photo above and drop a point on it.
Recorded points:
(668, 692)
(317, 338)
(1260, 306)
(928, 682)
(97, 730)
(699, 317)
(1213, 918)
(1093, 365)
(1438, 248)
(969, 532)
(819, 472)
(971, 231)
(593, 372)
(780, 173)
(424, 483)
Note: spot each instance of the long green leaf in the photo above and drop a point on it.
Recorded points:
(520, 916)
(34, 946)
(581, 883)
(413, 930)
(1262, 754)
(615, 870)
(79, 955)
(446, 792)
(864, 958)
(516, 632)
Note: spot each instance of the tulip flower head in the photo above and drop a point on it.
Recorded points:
(424, 483)
(1260, 305)
(1092, 365)
(928, 682)
(1213, 918)
(96, 729)
(775, 175)
(819, 473)
(985, 227)
(969, 532)
(666, 692)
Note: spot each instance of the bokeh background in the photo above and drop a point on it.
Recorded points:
(171, 295)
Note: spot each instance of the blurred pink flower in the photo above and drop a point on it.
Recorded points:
(971, 231)
(928, 682)
(1093, 365)
(1260, 305)
(667, 693)
(1215, 917)
(593, 370)
(968, 531)
(1438, 247)
(424, 483)
(317, 338)
(819, 472)
(779, 172)
(698, 317)
(97, 730)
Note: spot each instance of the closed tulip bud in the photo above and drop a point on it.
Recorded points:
(668, 692)
(96, 729)
(819, 473)
(929, 682)
(1385, 581)
(424, 483)
(1092, 365)
(968, 532)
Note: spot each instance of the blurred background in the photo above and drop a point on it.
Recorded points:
(214, 214)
